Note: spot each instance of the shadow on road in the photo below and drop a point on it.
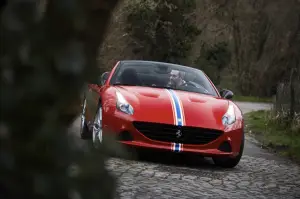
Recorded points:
(173, 159)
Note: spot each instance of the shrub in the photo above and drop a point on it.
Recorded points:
(213, 59)
(48, 51)
(162, 29)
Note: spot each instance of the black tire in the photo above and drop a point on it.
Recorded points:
(229, 162)
(85, 133)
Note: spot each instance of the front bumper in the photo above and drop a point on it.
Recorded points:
(225, 144)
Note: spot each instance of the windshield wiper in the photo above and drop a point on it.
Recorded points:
(180, 89)
(166, 87)
(122, 84)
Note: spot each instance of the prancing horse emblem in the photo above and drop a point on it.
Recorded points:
(178, 133)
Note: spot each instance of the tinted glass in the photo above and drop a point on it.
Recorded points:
(162, 75)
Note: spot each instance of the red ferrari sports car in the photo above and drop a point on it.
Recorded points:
(164, 106)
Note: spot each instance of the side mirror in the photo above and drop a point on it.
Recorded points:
(227, 94)
(103, 78)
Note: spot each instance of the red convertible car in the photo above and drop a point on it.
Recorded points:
(164, 106)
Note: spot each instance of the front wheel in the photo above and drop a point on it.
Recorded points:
(84, 130)
(97, 129)
(229, 162)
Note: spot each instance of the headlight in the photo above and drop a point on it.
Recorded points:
(229, 117)
(123, 105)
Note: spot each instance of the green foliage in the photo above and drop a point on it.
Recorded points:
(162, 29)
(213, 59)
(48, 51)
(275, 131)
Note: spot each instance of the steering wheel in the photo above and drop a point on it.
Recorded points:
(196, 86)
(190, 84)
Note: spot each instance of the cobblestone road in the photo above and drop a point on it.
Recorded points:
(253, 178)
(259, 175)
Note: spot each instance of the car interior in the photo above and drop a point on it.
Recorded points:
(158, 77)
(131, 76)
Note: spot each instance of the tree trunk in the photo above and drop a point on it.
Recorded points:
(292, 94)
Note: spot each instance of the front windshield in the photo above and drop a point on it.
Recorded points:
(162, 75)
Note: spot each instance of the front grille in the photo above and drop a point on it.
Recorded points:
(167, 133)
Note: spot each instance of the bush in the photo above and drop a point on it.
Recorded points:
(275, 131)
(162, 30)
(213, 59)
(283, 121)
(48, 51)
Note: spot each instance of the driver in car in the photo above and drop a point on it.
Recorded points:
(176, 79)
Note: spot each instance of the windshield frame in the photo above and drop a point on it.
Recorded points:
(202, 74)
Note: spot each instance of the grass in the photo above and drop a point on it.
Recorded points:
(279, 138)
(251, 99)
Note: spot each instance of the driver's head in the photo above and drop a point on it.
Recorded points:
(176, 77)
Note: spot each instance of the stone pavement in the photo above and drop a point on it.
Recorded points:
(157, 175)
(253, 178)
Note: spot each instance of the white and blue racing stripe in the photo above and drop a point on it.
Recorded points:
(176, 147)
(177, 108)
(178, 113)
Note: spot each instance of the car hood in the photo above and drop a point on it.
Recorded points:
(160, 105)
